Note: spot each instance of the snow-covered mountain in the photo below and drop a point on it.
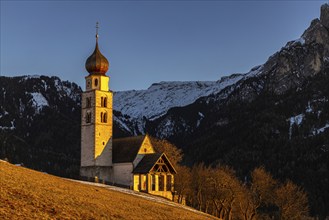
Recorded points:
(159, 97)
(140, 105)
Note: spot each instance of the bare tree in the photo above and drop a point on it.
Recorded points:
(174, 154)
(292, 201)
(183, 181)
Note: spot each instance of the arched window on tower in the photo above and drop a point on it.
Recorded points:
(105, 117)
(96, 82)
(88, 102)
(88, 117)
(105, 102)
(102, 117)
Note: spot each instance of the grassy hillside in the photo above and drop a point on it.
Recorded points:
(28, 194)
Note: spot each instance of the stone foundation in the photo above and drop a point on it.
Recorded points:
(101, 174)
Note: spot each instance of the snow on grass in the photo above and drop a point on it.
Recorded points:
(142, 195)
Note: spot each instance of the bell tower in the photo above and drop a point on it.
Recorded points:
(96, 119)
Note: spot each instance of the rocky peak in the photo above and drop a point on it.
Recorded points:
(301, 58)
(317, 33)
(324, 16)
(318, 30)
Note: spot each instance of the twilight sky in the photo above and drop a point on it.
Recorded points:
(147, 41)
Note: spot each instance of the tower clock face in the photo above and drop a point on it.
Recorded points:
(88, 83)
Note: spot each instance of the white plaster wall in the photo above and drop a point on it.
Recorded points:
(87, 132)
(123, 173)
(105, 158)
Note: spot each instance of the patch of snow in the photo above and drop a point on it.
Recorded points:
(122, 124)
(65, 89)
(255, 71)
(320, 130)
(200, 119)
(21, 106)
(12, 127)
(300, 40)
(38, 101)
(309, 108)
(298, 119)
(324, 148)
(31, 77)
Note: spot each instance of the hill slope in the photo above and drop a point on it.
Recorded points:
(28, 194)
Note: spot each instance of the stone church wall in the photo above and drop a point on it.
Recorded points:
(123, 174)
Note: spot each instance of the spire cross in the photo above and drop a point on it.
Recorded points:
(97, 27)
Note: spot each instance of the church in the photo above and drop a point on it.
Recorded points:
(128, 162)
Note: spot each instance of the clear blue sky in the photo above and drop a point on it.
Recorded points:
(147, 41)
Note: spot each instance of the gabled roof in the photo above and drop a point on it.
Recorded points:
(150, 160)
(146, 164)
(126, 149)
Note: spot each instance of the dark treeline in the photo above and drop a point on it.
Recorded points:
(219, 192)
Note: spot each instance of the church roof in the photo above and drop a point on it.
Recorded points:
(146, 164)
(150, 160)
(97, 62)
(126, 149)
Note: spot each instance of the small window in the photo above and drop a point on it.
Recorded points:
(105, 102)
(88, 117)
(105, 118)
(88, 102)
(96, 82)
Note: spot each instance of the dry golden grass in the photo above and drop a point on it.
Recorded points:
(28, 194)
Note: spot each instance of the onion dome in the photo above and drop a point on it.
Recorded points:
(96, 62)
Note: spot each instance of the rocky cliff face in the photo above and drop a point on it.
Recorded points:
(300, 59)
